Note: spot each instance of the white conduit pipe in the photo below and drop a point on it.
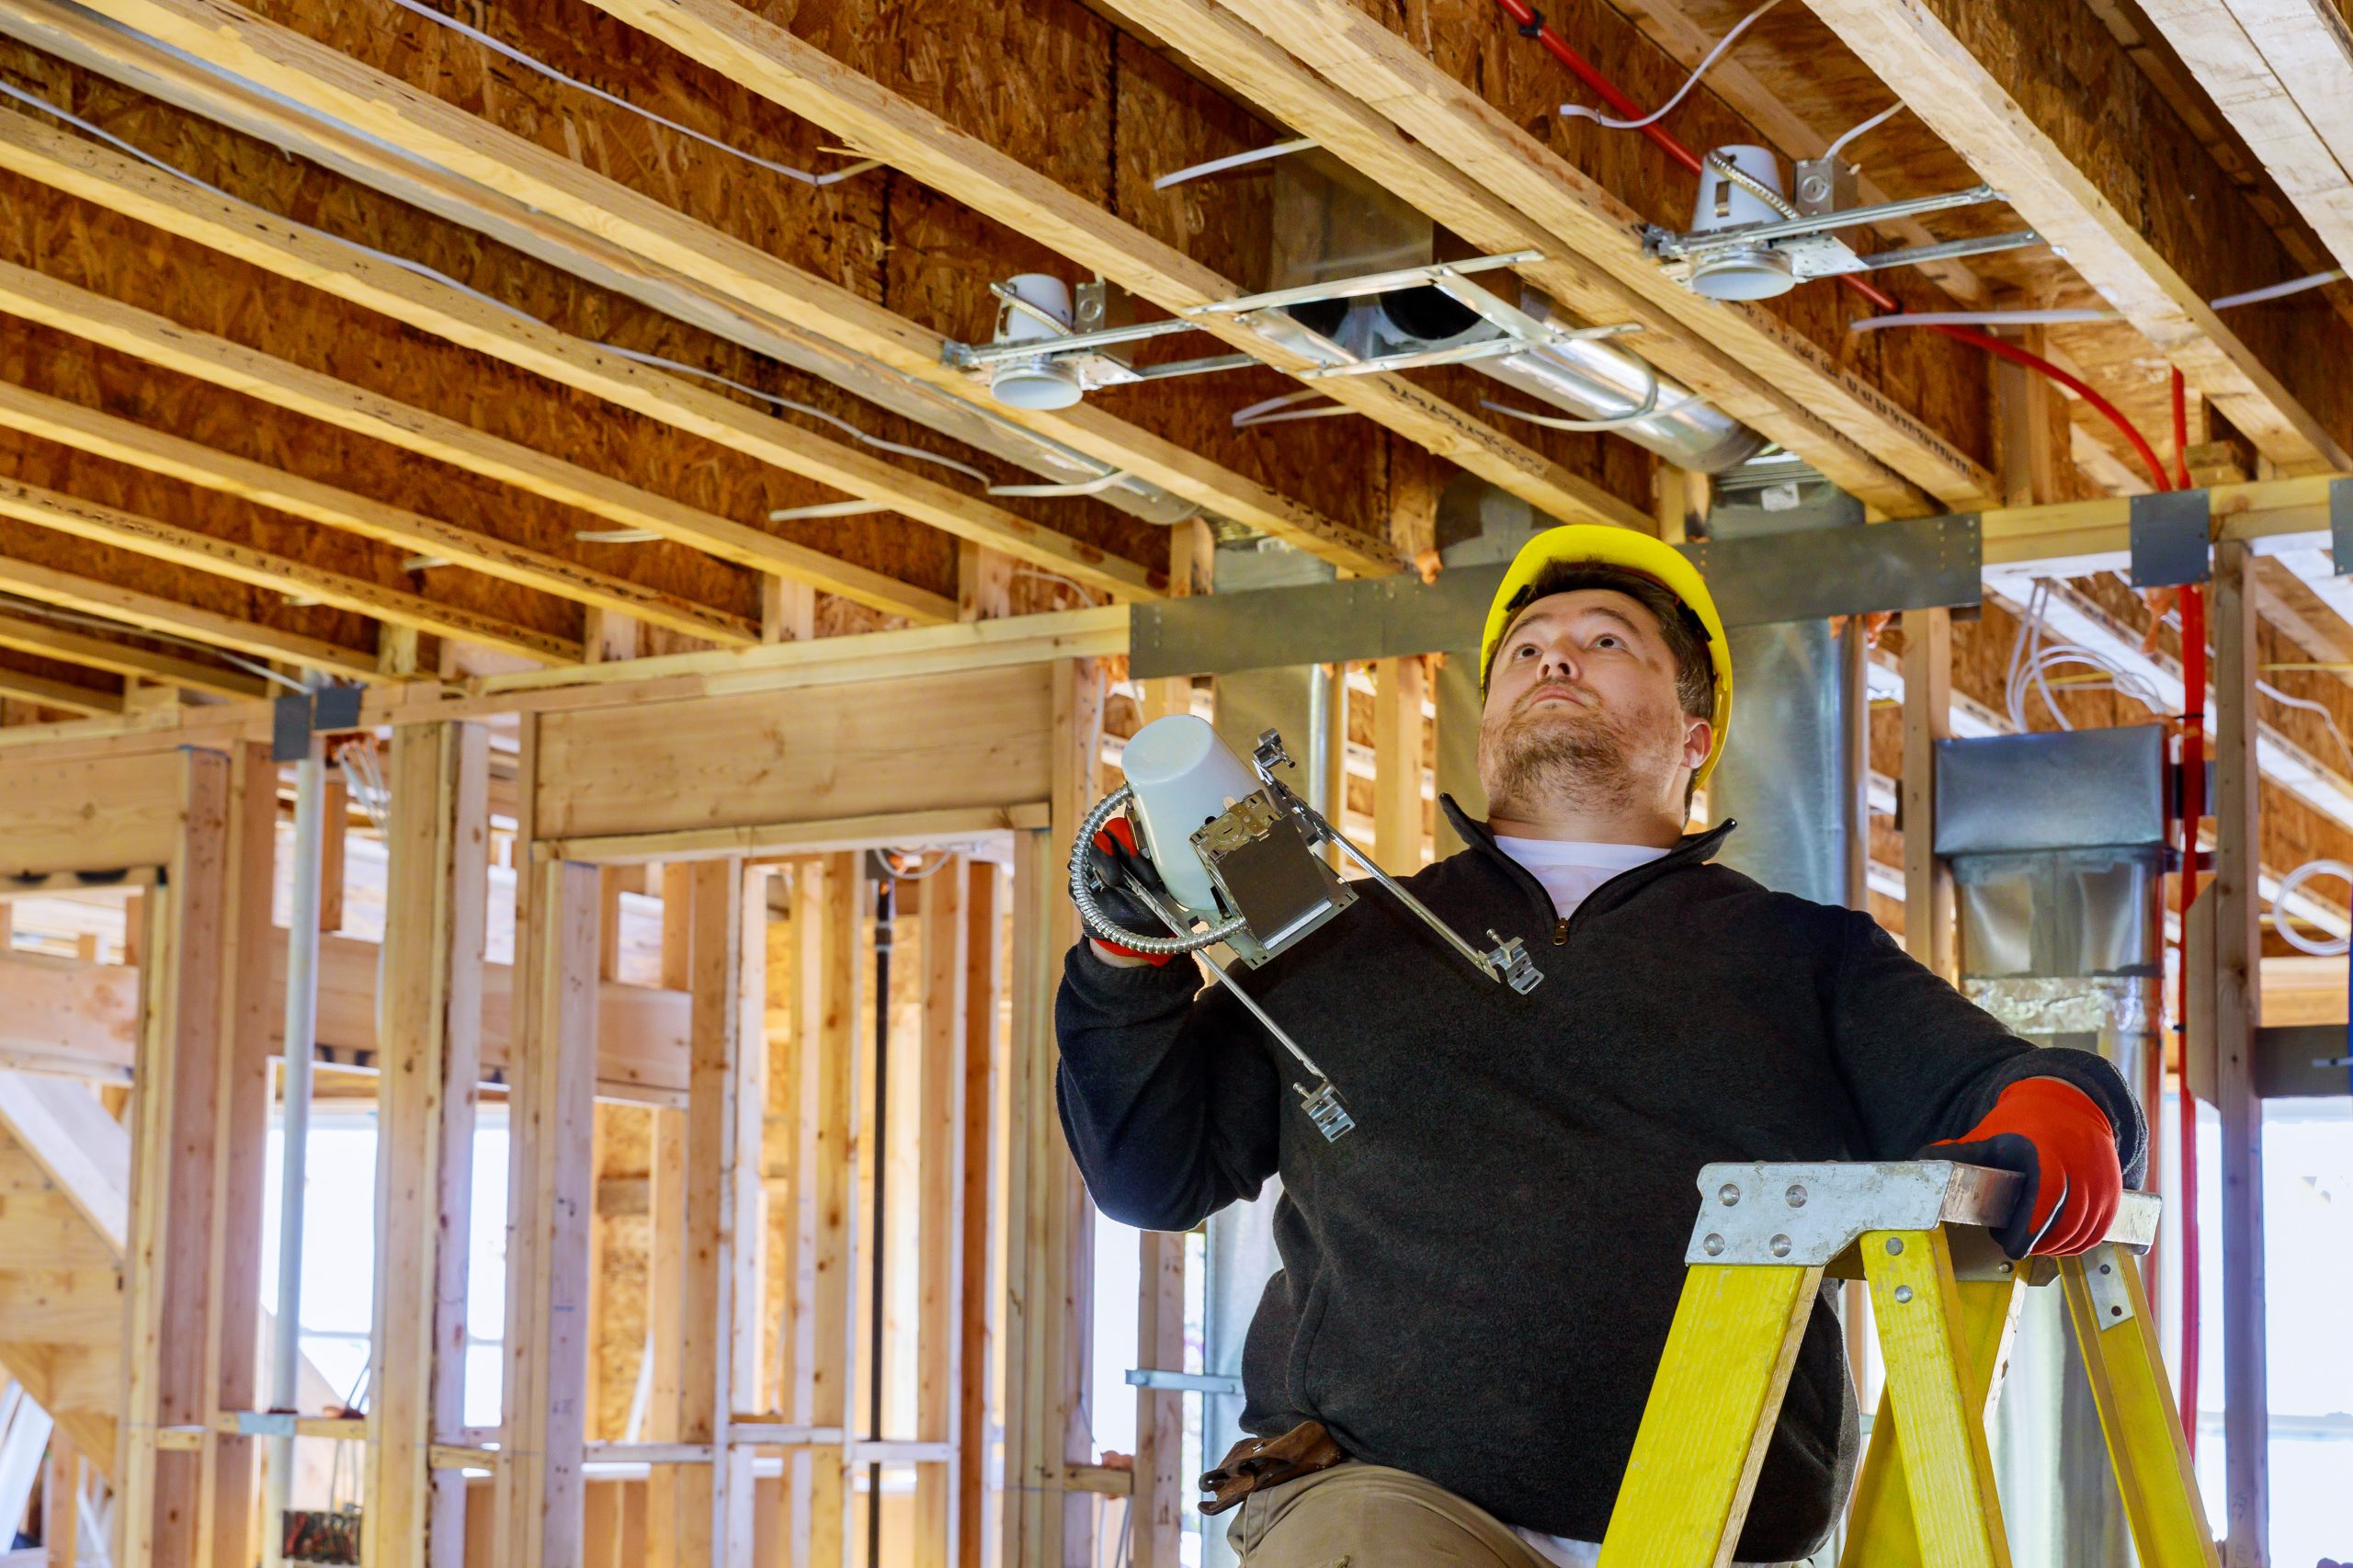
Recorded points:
(2281, 923)
(301, 1036)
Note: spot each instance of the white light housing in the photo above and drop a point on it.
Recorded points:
(1741, 271)
(1038, 383)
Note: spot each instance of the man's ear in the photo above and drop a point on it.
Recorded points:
(1699, 737)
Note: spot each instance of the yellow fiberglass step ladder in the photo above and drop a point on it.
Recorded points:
(1944, 1299)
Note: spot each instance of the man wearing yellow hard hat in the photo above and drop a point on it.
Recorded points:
(1477, 1283)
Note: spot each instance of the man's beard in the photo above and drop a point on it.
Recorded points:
(1540, 757)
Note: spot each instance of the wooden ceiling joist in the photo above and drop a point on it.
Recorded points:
(26, 635)
(161, 341)
(212, 469)
(259, 568)
(2281, 72)
(2125, 191)
(149, 612)
(1255, 69)
(65, 696)
(747, 48)
(431, 132)
(1382, 70)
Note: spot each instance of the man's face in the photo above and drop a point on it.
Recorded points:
(1581, 711)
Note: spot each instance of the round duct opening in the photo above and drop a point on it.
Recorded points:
(1322, 317)
(1427, 314)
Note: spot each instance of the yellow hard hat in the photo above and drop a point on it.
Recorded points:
(1598, 544)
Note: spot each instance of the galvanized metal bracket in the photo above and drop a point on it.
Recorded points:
(2340, 526)
(1811, 1214)
(294, 719)
(2172, 538)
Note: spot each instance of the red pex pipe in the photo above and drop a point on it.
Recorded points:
(2193, 808)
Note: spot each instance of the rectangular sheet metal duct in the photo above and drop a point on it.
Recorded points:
(1916, 563)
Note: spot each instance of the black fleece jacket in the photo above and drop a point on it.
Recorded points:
(1477, 1281)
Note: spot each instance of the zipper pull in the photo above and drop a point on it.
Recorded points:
(1560, 933)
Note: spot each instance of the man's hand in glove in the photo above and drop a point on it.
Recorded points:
(2052, 1133)
(1112, 859)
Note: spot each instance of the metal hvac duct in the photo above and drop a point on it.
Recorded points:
(2057, 847)
(1793, 768)
(1330, 222)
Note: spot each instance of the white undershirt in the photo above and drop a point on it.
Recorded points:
(1570, 871)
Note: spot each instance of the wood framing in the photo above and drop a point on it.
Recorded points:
(2281, 72)
(2238, 1011)
(979, 1261)
(546, 178)
(741, 44)
(225, 558)
(550, 1201)
(128, 660)
(1383, 70)
(941, 1279)
(719, 1356)
(1260, 69)
(431, 1069)
(882, 747)
(168, 1294)
(1397, 765)
(226, 364)
(1928, 927)
(2133, 201)
(150, 612)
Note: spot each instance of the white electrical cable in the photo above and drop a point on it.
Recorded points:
(531, 63)
(1578, 111)
(2063, 317)
(1865, 129)
(2343, 750)
(1981, 318)
(2277, 290)
(1219, 166)
(838, 422)
(1276, 410)
(2283, 924)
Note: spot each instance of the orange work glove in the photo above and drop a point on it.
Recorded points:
(2054, 1135)
(1112, 856)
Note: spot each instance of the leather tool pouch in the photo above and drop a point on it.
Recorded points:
(1256, 1463)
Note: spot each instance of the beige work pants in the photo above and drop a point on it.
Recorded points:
(1369, 1516)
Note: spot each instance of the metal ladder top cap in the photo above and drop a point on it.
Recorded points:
(1807, 1214)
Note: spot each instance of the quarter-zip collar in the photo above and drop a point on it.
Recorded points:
(1692, 848)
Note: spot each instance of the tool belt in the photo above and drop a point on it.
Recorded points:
(1255, 1463)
